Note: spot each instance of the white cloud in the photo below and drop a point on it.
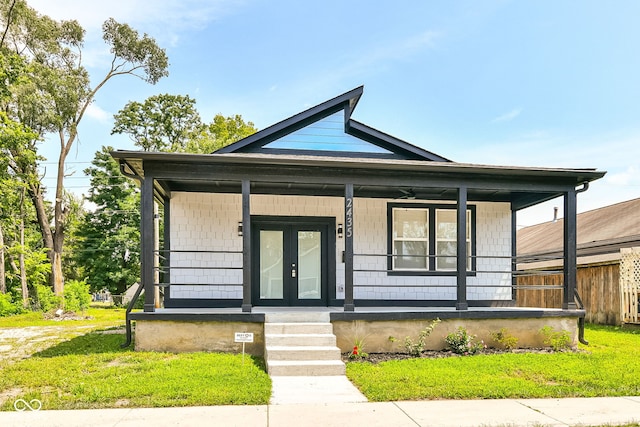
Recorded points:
(395, 51)
(162, 19)
(629, 176)
(171, 13)
(95, 112)
(507, 117)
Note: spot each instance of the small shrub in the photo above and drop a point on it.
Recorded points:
(8, 307)
(358, 352)
(76, 295)
(45, 299)
(505, 339)
(416, 348)
(461, 342)
(557, 340)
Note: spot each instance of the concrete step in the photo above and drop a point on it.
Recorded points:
(299, 340)
(305, 367)
(302, 353)
(298, 317)
(298, 328)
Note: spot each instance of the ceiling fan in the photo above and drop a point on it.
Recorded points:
(407, 194)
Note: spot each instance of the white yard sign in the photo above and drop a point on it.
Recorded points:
(244, 336)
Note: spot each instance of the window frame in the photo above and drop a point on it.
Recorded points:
(431, 270)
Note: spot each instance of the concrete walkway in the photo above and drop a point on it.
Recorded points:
(332, 389)
(508, 412)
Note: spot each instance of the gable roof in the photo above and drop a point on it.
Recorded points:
(603, 230)
(390, 147)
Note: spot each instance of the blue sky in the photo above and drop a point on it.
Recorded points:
(523, 83)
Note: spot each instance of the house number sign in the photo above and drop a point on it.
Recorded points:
(349, 217)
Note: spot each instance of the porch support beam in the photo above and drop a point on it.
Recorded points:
(166, 276)
(246, 246)
(338, 176)
(514, 253)
(348, 248)
(461, 245)
(147, 225)
(570, 247)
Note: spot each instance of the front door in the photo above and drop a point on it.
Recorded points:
(290, 262)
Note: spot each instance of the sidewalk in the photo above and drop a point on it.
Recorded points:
(508, 412)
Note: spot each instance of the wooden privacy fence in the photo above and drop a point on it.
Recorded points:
(598, 286)
(629, 284)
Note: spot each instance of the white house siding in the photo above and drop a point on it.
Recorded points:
(209, 222)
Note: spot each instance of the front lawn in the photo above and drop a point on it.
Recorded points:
(73, 364)
(609, 366)
(92, 371)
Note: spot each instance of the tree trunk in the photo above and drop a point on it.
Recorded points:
(23, 271)
(43, 221)
(3, 282)
(59, 216)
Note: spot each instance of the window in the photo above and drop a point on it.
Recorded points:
(423, 239)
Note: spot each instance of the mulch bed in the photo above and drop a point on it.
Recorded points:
(431, 354)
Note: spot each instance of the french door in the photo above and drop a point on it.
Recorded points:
(290, 262)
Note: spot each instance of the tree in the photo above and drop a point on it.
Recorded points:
(108, 238)
(222, 131)
(172, 123)
(161, 123)
(60, 92)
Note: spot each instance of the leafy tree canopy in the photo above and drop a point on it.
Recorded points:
(172, 123)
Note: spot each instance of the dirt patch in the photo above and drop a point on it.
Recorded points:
(9, 395)
(118, 331)
(121, 403)
(19, 343)
(67, 315)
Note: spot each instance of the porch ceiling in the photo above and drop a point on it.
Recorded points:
(376, 178)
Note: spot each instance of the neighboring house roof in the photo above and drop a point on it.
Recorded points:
(341, 107)
(599, 231)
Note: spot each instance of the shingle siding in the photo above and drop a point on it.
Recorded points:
(208, 222)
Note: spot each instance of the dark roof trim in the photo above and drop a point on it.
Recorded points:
(577, 176)
(347, 101)
(391, 143)
(296, 122)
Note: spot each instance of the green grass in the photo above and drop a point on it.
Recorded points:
(92, 371)
(609, 366)
(98, 317)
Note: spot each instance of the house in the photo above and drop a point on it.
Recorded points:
(606, 238)
(322, 213)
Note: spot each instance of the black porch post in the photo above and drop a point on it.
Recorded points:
(461, 245)
(348, 248)
(570, 247)
(246, 246)
(166, 276)
(514, 253)
(147, 242)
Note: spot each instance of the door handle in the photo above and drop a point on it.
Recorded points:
(293, 271)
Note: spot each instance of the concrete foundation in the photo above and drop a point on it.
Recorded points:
(375, 334)
(188, 336)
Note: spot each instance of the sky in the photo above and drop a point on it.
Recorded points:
(519, 83)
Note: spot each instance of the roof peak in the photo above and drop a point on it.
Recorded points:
(381, 144)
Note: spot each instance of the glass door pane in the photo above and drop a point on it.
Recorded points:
(309, 265)
(271, 264)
